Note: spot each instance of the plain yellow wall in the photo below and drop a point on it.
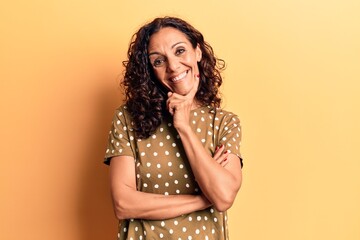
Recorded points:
(293, 78)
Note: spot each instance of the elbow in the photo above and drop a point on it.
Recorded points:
(125, 206)
(224, 204)
(226, 199)
(121, 211)
(119, 215)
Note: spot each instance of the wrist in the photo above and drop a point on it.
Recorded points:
(204, 201)
(183, 129)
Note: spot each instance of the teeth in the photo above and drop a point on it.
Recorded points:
(181, 76)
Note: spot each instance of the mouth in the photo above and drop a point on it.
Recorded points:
(179, 77)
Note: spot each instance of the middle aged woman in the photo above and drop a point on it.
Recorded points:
(175, 165)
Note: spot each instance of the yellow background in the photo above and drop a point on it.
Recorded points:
(293, 78)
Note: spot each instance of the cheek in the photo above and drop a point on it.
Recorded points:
(190, 60)
(158, 74)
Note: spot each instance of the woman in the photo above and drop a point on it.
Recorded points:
(175, 162)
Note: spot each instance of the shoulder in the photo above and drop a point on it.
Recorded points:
(122, 116)
(122, 112)
(218, 114)
(223, 114)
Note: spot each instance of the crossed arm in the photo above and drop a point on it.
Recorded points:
(129, 202)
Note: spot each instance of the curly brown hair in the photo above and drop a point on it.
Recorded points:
(145, 96)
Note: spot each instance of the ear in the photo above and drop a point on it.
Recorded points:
(198, 53)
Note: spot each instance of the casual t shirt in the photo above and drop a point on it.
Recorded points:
(163, 168)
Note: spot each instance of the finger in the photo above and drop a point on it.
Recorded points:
(171, 108)
(223, 156)
(169, 103)
(173, 102)
(218, 151)
(174, 98)
(225, 162)
(220, 160)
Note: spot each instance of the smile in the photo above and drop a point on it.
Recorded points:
(179, 77)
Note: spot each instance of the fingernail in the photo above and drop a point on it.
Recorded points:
(226, 151)
(225, 159)
(216, 148)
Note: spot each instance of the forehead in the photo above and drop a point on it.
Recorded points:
(166, 38)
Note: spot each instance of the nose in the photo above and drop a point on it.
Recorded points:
(172, 64)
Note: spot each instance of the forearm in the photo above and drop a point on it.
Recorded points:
(217, 183)
(130, 203)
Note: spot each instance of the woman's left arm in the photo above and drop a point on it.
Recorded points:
(219, 183)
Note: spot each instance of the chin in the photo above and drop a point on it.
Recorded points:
(182, 91)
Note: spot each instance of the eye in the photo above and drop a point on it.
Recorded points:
(158, 62)
(180, 51)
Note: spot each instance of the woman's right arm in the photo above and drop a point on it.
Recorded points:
(130, 203)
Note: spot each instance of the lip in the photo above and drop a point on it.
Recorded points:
(179, 77)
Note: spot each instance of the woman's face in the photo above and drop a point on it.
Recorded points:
(174, 60)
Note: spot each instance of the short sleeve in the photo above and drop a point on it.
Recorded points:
(230, 134)
(120, 137)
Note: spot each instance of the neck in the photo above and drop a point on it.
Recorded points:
(195, 104)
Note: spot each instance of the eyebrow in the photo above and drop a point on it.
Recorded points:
(174, 45)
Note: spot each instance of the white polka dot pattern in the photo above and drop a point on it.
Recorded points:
(162, 168)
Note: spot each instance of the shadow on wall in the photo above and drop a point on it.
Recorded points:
(96, 217)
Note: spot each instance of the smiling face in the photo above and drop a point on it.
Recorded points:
(174, 60)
